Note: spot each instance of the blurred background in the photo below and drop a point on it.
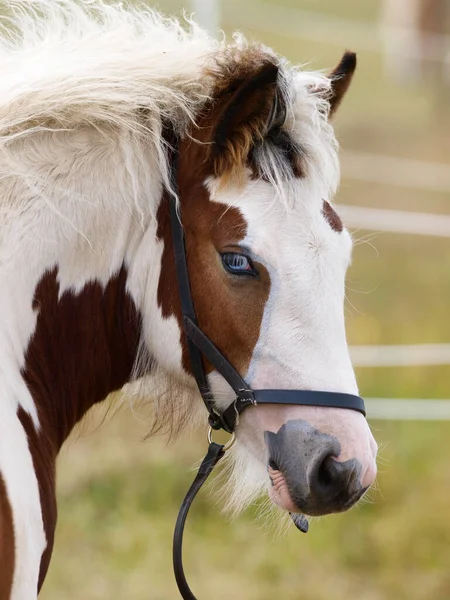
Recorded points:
(119, 495)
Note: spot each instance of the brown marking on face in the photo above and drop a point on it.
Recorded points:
(229, 308)
(7, 549)
(82, 349)
(334, 220)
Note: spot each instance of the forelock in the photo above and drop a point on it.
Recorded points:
(290, 139)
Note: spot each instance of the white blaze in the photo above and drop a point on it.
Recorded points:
(302, 342)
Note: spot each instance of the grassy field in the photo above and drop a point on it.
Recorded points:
(118, 496)
(118, 500)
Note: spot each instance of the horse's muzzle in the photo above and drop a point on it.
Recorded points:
(305, 473)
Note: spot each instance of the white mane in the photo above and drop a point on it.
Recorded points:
(78, 63)
(67, 64)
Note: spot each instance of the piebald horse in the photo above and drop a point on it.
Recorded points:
(91, 98)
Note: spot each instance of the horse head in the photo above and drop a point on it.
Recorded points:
(267, 256)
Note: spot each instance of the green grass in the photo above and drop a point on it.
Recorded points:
(118, 498)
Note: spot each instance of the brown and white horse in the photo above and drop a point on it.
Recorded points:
(90, 98)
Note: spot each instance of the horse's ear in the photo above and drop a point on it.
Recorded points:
(341, 77)
(244, 110)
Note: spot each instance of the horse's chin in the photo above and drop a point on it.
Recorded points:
(280, 496)
(282, 500)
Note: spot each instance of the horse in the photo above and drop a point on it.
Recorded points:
(94, 98)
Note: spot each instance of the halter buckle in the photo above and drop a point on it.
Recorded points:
(246, 396)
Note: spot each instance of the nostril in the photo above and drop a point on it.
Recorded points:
(326, 474)
(335, 478)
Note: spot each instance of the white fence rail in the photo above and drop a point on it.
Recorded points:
(412, 355)
(396, 171)
(396, 221)
(400, 172)
(408, 409)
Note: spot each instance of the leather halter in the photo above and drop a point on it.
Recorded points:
(200, 345)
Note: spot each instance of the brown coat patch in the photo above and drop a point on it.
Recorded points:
(7, 550)
(83, 348)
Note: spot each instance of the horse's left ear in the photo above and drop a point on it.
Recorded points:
(243, 113)
(341, 77)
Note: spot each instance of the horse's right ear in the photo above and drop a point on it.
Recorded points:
(341, 77)
(243, 110)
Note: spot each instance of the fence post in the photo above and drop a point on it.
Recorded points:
(207, 14)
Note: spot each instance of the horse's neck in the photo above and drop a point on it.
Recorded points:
(76, 218)
(83, 346)
(79, 268)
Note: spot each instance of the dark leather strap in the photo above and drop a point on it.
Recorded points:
(214, 454)
(310, 398)
(226, 369)
(187, 305)
(215, 357)
(297, 397)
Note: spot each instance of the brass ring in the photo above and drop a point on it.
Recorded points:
(226, 446)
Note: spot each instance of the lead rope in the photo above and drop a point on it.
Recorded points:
(214, 454)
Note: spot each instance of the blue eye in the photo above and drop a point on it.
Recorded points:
(238, 264)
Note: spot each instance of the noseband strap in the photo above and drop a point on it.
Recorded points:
(199, 347)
